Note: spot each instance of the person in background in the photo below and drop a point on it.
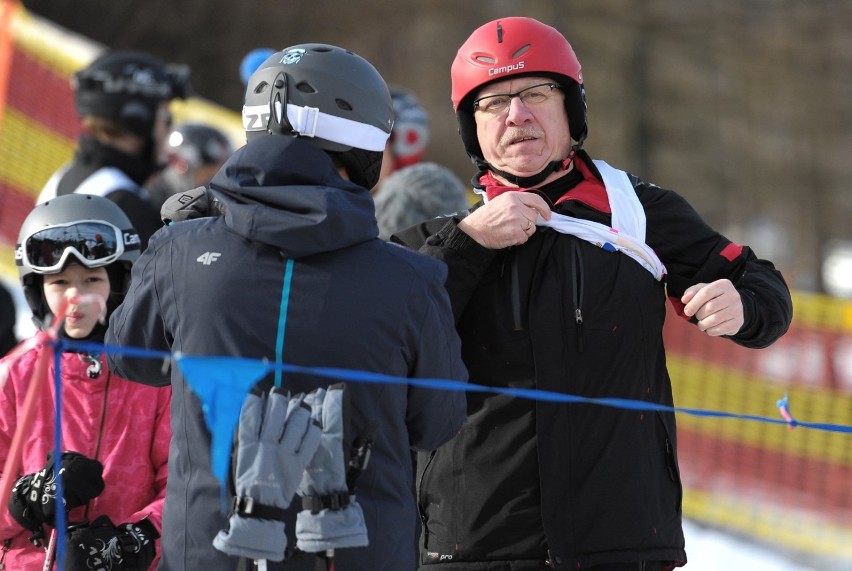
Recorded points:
(307, 282)
(8, 320)
(416, 193)
(558, 279)
(410, 135)
(194, 152)
(122, 99)
(74, 255)
(251, 61)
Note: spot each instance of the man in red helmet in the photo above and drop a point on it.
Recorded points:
(558, 280)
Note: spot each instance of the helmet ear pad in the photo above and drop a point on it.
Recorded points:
(33, 286)
(575, 105)
(467, 130)
(363, 167)
(119, 277)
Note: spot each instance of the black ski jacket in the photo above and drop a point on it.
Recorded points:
(528, 481)
(221, 287)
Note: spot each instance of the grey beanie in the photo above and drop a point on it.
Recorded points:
(416, 193)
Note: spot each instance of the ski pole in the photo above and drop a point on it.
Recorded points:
(37, 382)
(50, 555)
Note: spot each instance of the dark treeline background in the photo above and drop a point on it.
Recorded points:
(742, 106)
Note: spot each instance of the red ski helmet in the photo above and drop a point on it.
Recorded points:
(515, 47)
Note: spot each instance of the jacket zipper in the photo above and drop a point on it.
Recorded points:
(515, 287)
(101, 428)
(577, 291)
(516, 295)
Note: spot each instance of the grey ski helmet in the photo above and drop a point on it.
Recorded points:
(331, 97)
(87, 229)
(127, 87)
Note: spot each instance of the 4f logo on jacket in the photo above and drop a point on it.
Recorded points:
(208, 258)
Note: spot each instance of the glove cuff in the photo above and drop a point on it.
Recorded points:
(252, 538)
(18, 506)
(137, 535)
(335, 501)
(331, 529)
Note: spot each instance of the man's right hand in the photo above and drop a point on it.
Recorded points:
(506, 220)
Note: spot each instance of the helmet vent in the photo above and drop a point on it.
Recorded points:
(261, 87)
(305, 87)
(485, 59)
(342, 104)
(521, 51)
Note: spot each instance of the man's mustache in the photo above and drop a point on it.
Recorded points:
(520, 133)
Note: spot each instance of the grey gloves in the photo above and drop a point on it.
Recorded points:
(277, 438)
(295, 444)
(331, 517)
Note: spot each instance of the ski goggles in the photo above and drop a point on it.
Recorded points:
(94, 243)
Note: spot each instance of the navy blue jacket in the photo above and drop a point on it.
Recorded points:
(216, 286)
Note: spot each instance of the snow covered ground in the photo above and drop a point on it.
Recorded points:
(712, 550)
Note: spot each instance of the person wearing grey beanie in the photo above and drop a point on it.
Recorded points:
(417, 193)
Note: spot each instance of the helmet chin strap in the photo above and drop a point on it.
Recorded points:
(536, 179)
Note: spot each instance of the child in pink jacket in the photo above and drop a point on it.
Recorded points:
(74, 255)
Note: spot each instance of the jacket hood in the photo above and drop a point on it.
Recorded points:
(286, 193)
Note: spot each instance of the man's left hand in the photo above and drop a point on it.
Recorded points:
(717, 307)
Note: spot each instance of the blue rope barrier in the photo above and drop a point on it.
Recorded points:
(221, 383)
(450, 385)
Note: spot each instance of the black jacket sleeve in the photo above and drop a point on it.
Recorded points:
(138, 323)
(695, 253)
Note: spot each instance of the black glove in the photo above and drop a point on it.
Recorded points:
(102, 545)
(33, 498)
(195, 203)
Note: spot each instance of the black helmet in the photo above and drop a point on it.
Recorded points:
(190, 146)
(332, 97)
(127, 87)
(199, 144)
(90, 230)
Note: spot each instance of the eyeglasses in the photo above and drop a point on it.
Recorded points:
(530, 96)
(94, 243)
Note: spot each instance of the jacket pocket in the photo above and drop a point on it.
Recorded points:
(437, 503)
(670, 456)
